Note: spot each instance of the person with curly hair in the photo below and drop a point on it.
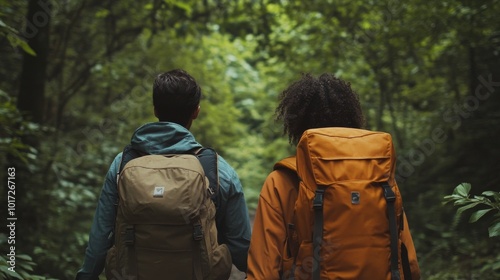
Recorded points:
(311, 102)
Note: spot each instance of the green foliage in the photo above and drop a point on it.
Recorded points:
(417, 66)
(491, 199)
(464, 257)
(23, 269)
(471, 254)
(14, 39)
(13, 128)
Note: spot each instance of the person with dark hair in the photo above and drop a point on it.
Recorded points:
(281, 246)
(318, 102)
(176, 102)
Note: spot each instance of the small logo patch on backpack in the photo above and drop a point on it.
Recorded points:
(158, 192)
(355, 197)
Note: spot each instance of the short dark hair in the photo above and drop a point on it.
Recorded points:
(176, 95)
(312, 102)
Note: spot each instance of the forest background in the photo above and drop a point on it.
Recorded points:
(75, 82)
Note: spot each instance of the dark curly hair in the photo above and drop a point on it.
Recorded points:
(312, 102)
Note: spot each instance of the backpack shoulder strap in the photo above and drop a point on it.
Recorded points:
(128, 154)
(390, 198)
(289, 165)
(208, 158)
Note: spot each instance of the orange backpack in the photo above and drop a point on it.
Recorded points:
(348, 217)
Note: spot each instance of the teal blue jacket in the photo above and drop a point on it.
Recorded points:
(232, 218)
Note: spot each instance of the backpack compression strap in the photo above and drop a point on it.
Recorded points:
(390, 197)
(129, 154)
(318, 230)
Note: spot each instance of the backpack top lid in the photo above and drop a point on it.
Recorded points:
(329, 155)
(162, 189)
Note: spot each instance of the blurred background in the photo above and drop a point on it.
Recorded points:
(76, 76)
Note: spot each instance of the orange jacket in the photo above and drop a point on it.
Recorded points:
(268, 256)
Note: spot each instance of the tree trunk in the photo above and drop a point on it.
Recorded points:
(32, 83)
(30, 102)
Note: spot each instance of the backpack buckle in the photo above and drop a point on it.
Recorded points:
(197, 232)
(318, 199)
(389, 195)
(210, 191)
(129, 236)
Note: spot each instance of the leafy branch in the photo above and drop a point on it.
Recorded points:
(15, 39)
(461, 198)
(24, 269)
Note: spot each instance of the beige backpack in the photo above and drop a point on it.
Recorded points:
(165, 223)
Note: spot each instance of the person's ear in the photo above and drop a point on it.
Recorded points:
(195, 113)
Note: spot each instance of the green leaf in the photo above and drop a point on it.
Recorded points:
(466, 207)
(12, 30)
(489, 193)
(462, 189)
(453, 197)
(477, 215)
(494, 230)
(16, 41)
(461, 201)
(24, 257)
(12, 275)
(495, 195)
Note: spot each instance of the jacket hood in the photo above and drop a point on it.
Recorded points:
(163, 138)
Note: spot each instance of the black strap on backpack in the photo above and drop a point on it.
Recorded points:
(208, 159)
(317, 230)
(390, 198)
(128, 154)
